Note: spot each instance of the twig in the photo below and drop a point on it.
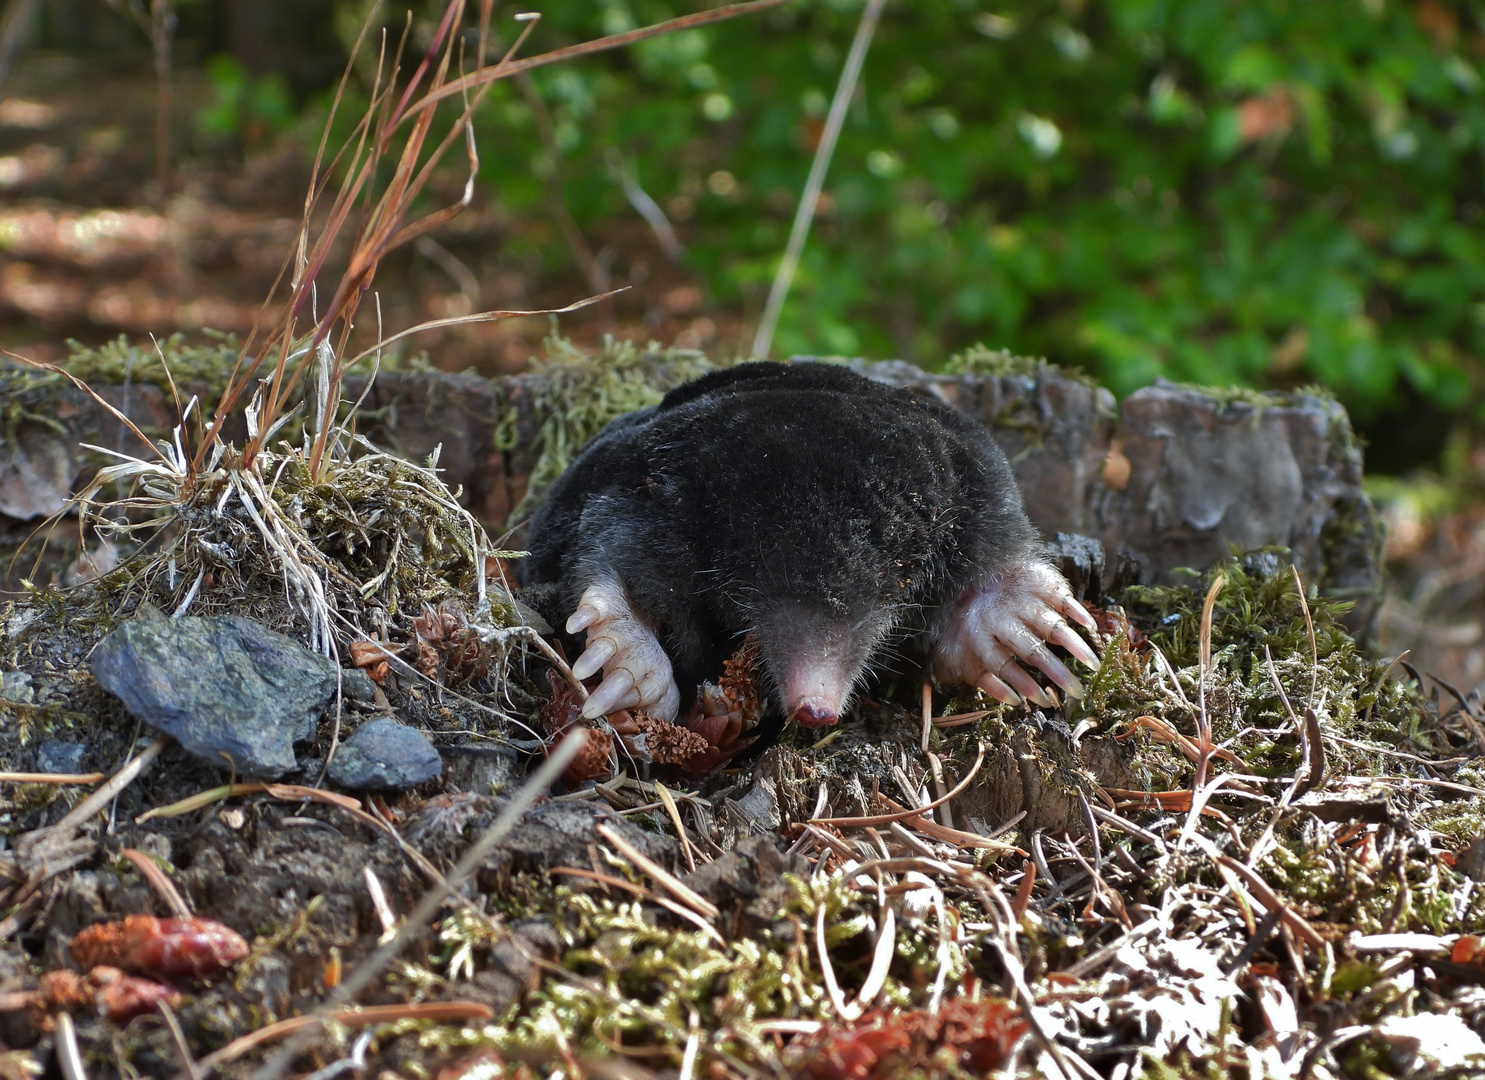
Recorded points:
(808, 201)
(63, 830)
(903, 815)
(370, 1016)
(680, 829)
(187, 1062)
(628, 886)
(588, 48)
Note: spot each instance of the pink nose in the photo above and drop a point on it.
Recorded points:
(810, 715)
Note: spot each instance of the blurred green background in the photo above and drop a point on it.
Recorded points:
(1270, 193)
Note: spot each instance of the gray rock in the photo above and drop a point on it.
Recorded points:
(16, 686)
(36, 471)
(221, 685)
(383, 755)
(1081, 560)
(1184, 475)
(357, 685)
(60, 756)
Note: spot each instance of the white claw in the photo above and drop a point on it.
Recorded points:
(997, 689)
(614, 693)
(1025, 685)
(1078, 613)
(1008, 620)
(1055, 670)
(599, 652)
(637, 672)
(1063, 635)
(585, 616)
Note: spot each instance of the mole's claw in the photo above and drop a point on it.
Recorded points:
(1078, 613)
(1063, 635)
(636, 671)
(997, 689)
(1026, 686)
(599, 652)
(1054, 669)
(585, 616)
(614, 693)
(1013, 616)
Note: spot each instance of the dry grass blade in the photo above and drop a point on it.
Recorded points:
(50, 778)
(1204, 735)
(163, 886)
(809, 200)
(669, 905)
(188, 1065)
(700, 904)
(1266, 896)
(429, 1011)
(943, 832)
(199, 800)
(481, 317)
(587, 48)
(675, 819)
(69, 1057)
(881, 960)
(1304, 606)
(846, 1010)
(903, 815)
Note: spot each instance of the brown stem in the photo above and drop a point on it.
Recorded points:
(162, 29)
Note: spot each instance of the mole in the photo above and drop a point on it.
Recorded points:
(843, 523)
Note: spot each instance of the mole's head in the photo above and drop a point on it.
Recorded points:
(816, 653)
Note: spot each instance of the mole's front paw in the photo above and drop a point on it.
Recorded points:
(636, 671)
(1012, 617)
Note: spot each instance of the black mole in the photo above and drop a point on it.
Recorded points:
(831, 516)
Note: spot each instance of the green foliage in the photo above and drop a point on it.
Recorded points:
(174, 361)
(243, 106)
(1267, 194)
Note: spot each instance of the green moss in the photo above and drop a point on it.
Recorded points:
(980, 359)
(117, 362)
(579, 393)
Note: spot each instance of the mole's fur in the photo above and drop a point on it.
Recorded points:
(829, 515)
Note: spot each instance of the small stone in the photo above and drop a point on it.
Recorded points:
(483, 770)
(229, 690)
(383, 755)
(16, 686)
(357, 685)
(60, 756)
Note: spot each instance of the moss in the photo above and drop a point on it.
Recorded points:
(118, 362)
(579, 393)
(981, 360)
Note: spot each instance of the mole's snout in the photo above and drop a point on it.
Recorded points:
(812, 714)
(815, 661)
